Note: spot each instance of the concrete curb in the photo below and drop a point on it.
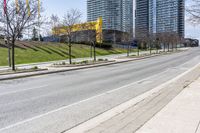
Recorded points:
(80, 68)
(72, 69)
(181, 81)
(21, 72)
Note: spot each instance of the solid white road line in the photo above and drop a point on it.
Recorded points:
(65, 107)
(17, 91)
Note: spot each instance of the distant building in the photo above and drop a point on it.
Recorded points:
(142, 18)
(116, 14)
(51, 39)
(158, 16)
(82, 32)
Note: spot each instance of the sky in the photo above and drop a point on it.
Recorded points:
(59, 7)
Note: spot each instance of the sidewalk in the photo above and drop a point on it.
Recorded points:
(182, 115)
(169, 111)
(172, 107)
(50, 70)
(45, 65)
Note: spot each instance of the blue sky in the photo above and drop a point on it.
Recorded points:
(59, 7)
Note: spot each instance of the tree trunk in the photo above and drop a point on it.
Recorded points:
(128, 50)
(168, 47)
(13, 55)
(138, 51)
(9, 56)
(70, 53)
(156, 48)
(91, 51)
(94, 51)
(150, 49)
(164, 47)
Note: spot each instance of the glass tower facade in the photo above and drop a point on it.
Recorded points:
(142, 18)
(116, 14)
(163, 16)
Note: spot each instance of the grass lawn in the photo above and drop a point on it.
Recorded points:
(32, 53)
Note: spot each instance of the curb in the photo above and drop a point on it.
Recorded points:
(21, 72)
(73, 69)
(80, 68)
(181, 81)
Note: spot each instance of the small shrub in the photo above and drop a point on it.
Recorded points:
(100, 60)
(35, 68)
(85, 62)
(63, 63)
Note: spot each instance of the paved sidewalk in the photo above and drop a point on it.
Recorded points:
(172, 109)
(48, 69)
(182, 115)
(47, 64)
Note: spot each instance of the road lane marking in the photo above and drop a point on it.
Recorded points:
(198, 127)
(65, 107)
(12, 92)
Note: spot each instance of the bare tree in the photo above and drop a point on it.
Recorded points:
(18, 21)
(161, 41)
(94, 36)
(55, 22)
(164, 40)
(126, 39)
(167, 40)
(150, 42)
(175, 39)
(91, 38)
(130, 40)
(139, 36)
(194, 11)
(71, 18)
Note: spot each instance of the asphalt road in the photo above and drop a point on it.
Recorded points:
(57, 102)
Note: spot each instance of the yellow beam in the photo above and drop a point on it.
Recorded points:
(95, 25)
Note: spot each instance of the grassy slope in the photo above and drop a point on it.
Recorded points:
(32, 53)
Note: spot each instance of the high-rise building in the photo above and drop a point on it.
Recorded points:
(158, 16)
(116, 14)
(142, 18)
